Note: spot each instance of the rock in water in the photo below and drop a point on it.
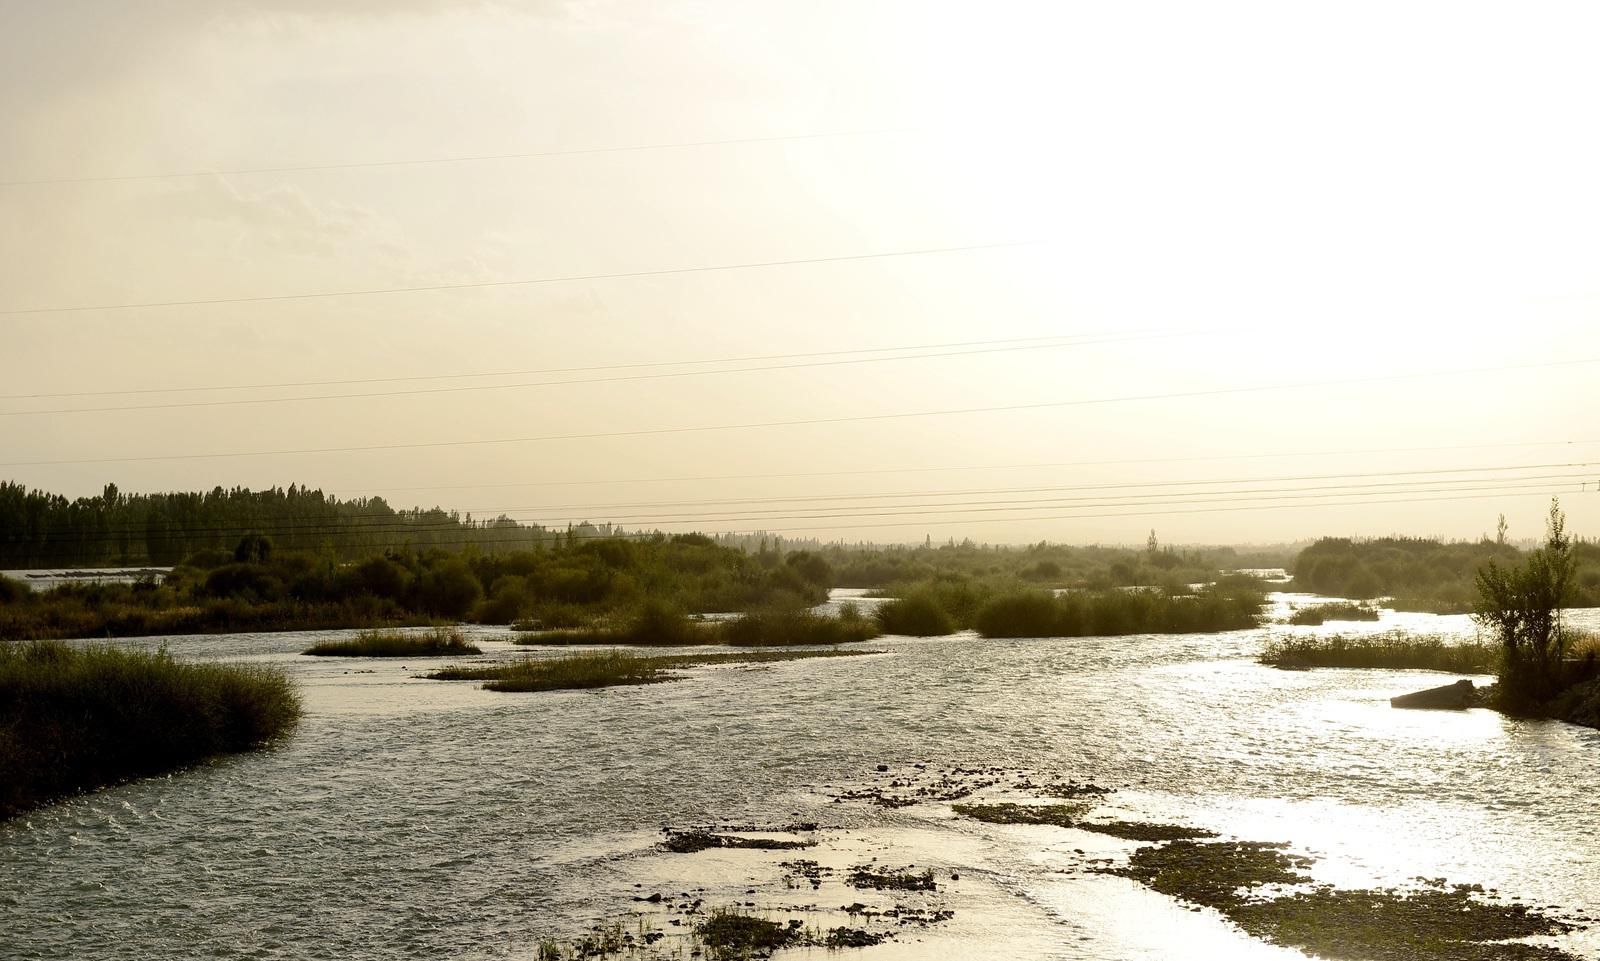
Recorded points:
(1451, 697)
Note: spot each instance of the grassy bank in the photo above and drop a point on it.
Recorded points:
(608, 669)
(438, 642)
(75, 719)
(657, 626)
(1394, 650)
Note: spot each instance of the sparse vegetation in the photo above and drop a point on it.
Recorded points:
(74, 719)
(659, 626)
(437, 642)
(608, 669)
(1393, 650)
(728, 934)
(887, 879)
(1007, 812)
(1070, 816)
(1432, 921)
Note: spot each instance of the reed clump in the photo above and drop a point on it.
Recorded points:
(74, 719)
(915, 615)
(1318, 614)
(437, 642)
(1392, 650)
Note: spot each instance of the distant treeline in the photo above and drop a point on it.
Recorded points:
(1045, 564)
(259, 587)
(40, 529)
(1420, 573)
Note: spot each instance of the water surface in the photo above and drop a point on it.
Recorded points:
(417, 819)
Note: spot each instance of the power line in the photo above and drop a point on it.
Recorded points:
(856, 418)
(1125, 485)
(430, 161)
(1164, 513)
(988, 507)
(525, 534)
(415, 522)
(795, 475)
(570, 370)
(568, 278)
(473, 388)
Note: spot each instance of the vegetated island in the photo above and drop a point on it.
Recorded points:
(611, 668)
(1317, 614)
(1391, 650)
(74, 719)
(437, 642)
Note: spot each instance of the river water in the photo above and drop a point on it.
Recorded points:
(418, 819)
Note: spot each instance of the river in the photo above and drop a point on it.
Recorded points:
(418, 819)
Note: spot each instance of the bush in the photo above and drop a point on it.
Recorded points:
(13, 591)
(918, 615)
(794, 626)
(449, 590)
(1020, 614)
(75, 719)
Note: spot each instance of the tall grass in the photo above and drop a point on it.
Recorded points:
(1115, 612)
(916, 615)
(438, 642)
(78, 718)
(1394, 650)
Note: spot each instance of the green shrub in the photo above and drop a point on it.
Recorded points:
(1521, 605)
(919, 615)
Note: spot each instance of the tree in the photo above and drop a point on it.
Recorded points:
(253, 549)
(1521, 605)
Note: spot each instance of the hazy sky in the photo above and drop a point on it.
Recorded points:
(1313, 197)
